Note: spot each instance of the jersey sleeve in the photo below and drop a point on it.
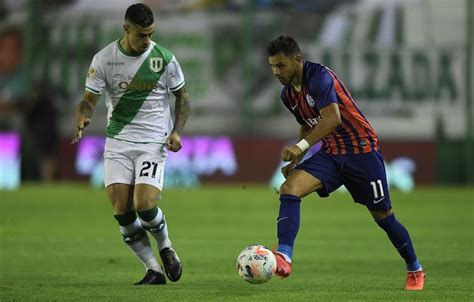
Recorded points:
(95, 81)
(323, 88)
(175, 76)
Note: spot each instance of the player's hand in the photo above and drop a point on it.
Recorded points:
(173, 143)
(292, 154)
(286, 170)
(81, 123)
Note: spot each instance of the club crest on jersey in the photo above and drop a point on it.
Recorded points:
(156, 64)
(91, 72)
(310, 100)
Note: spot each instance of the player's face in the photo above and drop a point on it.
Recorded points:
(284, 67)
(139, 37)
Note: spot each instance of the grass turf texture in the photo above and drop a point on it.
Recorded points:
(60, 242)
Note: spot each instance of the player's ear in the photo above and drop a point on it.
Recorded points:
(298, 58)
(126, 28)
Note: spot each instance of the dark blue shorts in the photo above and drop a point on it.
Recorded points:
(362, 174)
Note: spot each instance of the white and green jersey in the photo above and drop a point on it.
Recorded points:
(138, 89)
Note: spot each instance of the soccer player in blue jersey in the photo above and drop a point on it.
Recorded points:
(350, 154)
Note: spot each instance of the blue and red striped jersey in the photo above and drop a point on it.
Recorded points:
(321, 87)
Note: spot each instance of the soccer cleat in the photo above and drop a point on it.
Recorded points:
(283, 268)
(415, 280)
(173, 267)
(152, 278)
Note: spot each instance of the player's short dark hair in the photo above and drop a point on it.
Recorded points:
(284, 44)
(139, 14)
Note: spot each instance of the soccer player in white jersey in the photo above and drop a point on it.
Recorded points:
(138, 77)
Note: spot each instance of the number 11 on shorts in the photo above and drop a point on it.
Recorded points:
(376, 190)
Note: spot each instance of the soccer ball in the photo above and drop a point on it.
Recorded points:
(256, 264)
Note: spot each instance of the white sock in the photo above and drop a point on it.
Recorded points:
(161, 236)
(420, 269)
(141, 248)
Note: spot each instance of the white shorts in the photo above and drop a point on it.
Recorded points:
(132, 163)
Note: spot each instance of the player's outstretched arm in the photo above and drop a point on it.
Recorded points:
(330, 120)
(181, 114)
(84, 111)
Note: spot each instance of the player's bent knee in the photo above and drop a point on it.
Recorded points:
(145, 197)
(120, 205)
(300, 183)
(119, 208)
(290, 188)
(119, 196)
(145, 204)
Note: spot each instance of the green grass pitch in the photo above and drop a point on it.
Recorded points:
(60, 242)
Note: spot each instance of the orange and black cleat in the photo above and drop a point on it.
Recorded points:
(415, 280)
(283, 268)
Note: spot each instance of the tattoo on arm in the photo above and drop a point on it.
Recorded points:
(86, 109)
(182, 109)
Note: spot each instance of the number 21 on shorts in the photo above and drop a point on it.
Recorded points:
(145, 171)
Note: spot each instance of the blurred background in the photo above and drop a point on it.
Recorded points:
(408, 64)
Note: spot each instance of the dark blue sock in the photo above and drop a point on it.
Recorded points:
(400, 238)
(288, 223)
